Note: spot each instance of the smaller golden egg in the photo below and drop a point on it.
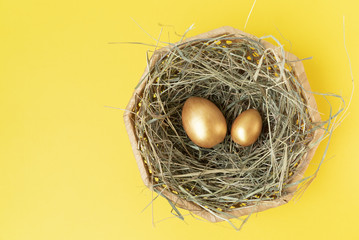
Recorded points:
(203, 122)
(247, 127)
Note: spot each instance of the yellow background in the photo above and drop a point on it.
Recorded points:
(66, 166)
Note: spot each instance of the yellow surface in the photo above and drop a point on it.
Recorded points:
(66, 166)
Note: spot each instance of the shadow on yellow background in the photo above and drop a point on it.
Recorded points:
(66, 166)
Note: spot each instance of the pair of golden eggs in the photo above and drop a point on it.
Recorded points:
(206, 126)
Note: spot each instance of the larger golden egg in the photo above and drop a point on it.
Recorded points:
(203, 122)
(247, 127)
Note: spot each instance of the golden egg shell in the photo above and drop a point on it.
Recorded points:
(247, 127)
(203, 122)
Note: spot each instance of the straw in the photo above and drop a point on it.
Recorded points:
(236, 73)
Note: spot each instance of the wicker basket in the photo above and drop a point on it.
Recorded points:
(182, 203)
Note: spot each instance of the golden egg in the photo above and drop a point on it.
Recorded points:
(247, 127)
(203, 122)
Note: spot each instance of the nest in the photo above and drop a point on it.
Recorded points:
(236, 71)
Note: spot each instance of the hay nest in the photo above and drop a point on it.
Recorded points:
(236, 71)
